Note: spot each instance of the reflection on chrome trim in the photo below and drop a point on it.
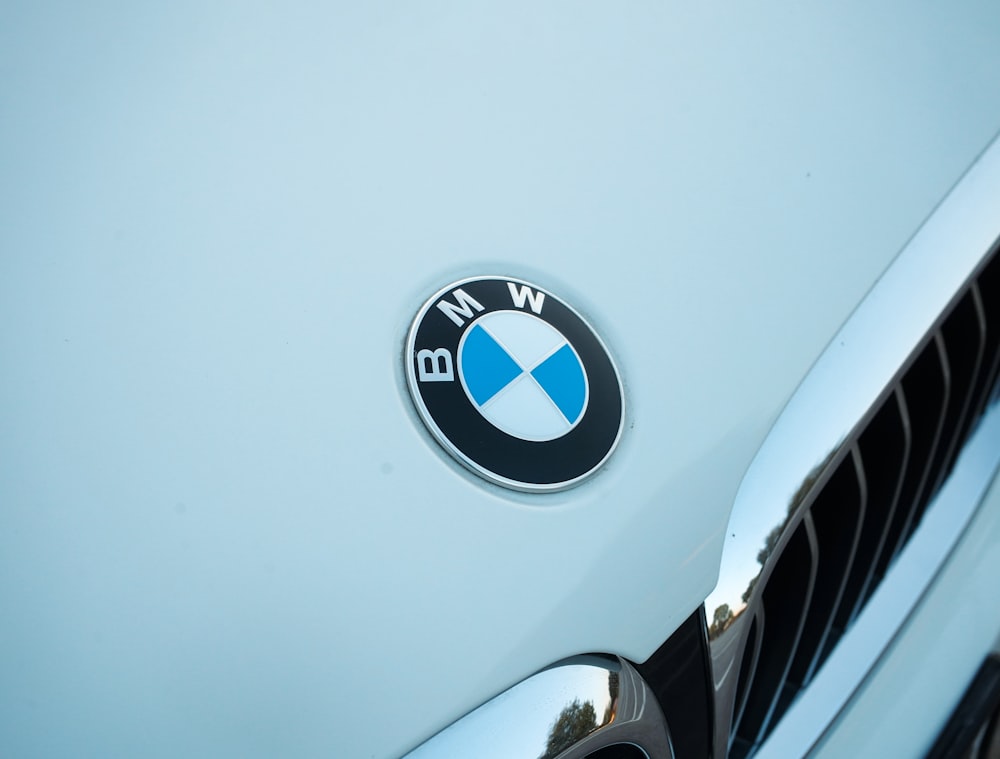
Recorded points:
(813, 434)
(567, 711)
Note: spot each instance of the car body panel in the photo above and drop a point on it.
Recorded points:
(223, 528)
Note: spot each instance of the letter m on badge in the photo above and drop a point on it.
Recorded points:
(464, 308)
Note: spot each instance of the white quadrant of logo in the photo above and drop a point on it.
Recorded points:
(523, 375)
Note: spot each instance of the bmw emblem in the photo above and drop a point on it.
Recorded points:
(514, 383)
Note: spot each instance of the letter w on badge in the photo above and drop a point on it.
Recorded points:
(519, 296)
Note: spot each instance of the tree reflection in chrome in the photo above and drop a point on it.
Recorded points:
(574, 722)
(577, 721)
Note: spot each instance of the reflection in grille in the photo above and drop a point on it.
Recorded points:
(859, 509)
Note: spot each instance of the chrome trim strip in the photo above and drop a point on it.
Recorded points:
(523, 722)
(848, 379)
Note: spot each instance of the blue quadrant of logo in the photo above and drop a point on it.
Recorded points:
(486, 367)
(561, 376)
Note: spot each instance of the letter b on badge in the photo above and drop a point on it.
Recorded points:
(435, 366)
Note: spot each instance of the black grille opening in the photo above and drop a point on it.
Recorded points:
(837, 516)
(618, 751)
(925, 390)
(965, 341)
(780, 619)
(884, 449)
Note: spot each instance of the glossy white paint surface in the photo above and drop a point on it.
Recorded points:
(223, 529)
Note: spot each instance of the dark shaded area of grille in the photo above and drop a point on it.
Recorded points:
(973, 732)
(678, 673)
(857, 511)
(618, 751)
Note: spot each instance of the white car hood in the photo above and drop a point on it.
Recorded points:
(223, 528)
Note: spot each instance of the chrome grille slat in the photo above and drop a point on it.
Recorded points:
(936, 459)
(961, 348)
(837, 518)
(930, 366)
(794, 577)
(900, 515)
(988, 286)
(749, 664)
(990, 344)
(893, 416)
(979, 372)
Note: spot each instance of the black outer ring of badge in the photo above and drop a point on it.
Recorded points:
(485, 449)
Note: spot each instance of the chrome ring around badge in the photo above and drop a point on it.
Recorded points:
(514, 383)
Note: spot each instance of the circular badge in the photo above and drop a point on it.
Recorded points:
(514, 383)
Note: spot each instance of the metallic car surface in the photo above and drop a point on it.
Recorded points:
(223, 529)
(519, 721)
